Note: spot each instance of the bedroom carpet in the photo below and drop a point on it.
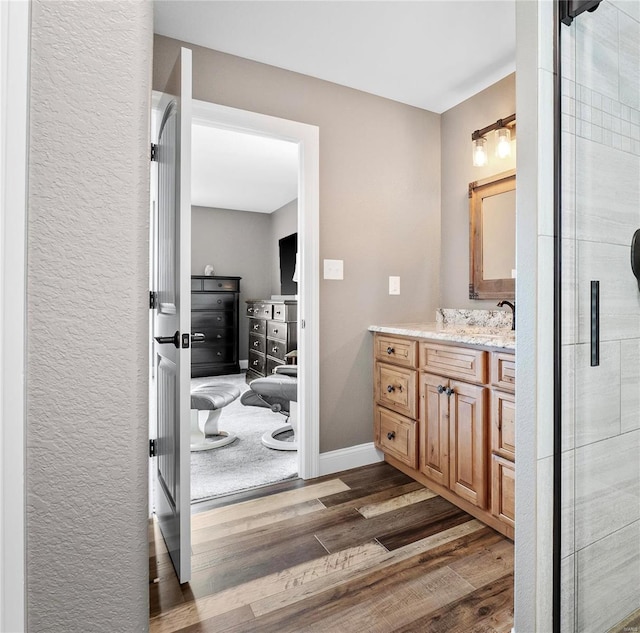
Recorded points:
(245, 463)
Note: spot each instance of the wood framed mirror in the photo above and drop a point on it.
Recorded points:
(492, 237)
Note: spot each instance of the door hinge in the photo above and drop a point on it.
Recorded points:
(154, 152)
(153, 300)
(153, 448)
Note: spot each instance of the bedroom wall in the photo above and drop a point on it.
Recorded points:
(284, 221)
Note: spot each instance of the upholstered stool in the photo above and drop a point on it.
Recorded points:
(278, 392)
(211, 398)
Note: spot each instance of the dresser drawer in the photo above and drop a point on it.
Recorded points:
(272, 363)
(276, 348)
(256, 362)
(503, 424)
(503, 490)
(213, 300)
(503, 371)
(196, 284)
(222, 352)
(220, 285)
(285, 312)
(205, 320)
(454, 362)
(396, 388)
(394, 350)
(397, 436)
(257, 343)
(257, 326)
(278, 329)
(260, 310)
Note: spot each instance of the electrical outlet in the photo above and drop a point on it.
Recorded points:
(394, 285)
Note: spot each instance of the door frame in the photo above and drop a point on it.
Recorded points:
(307, 137)
(14, 117)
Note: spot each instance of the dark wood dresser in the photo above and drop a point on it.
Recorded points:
(215, 313)
(273, 332)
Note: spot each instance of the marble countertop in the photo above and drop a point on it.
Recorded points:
(498, 337)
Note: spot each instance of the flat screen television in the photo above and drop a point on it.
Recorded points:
(288, 249)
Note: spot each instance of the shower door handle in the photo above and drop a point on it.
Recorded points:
(595, 323)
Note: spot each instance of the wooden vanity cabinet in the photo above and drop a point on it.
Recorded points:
(453, 417)
(445, 415)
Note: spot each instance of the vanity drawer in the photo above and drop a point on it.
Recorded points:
(503, 424)
(256, 362)
(394, 350)
(503, 490)
(396, 388)
(454, 362)
(503, 371)
(397, 436)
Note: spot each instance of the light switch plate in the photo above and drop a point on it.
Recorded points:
(394, 285)
(333, 269)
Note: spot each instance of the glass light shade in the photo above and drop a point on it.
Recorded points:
(503, 142)
(479, 152)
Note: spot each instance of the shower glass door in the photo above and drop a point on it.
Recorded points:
(600, 331)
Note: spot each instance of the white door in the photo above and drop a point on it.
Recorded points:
(172, 318)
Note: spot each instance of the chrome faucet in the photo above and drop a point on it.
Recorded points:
(513, 309)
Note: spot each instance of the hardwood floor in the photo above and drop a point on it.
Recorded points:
(366, 550)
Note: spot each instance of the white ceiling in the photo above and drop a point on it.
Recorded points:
(432, 54)
(232, 170)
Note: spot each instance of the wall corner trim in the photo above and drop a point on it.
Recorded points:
(350, 457)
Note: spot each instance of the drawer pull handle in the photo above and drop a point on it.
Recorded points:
(275, 331)
(219, 336)
(256, 343)
(219, 354)
(391, 435)
(274, 350)
(219, 318)
(249, 310)
(256, 326)
(441, 389)
(450, 391)
(390, 388)
(255, 363)
(390, 350)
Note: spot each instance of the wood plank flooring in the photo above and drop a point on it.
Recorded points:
(367, 550)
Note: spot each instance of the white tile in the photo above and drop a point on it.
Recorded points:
(607, 193)
(630, 387)
(607, 487)
(568, 595)
(568, 396)
(596, 100)
(597, 50)
(567, 542)
(597, 394)
(629, 80)
(569, 289)
(596, 117)
(596, 134)
(630, 7)
(608, 580)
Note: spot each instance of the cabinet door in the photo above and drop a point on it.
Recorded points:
(503, 478)
(503, 424)
(468, 442)
(434, 428)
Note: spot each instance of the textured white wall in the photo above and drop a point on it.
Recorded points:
(87, 317)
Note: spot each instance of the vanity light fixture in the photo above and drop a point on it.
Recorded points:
(502, 138)
(479, 152)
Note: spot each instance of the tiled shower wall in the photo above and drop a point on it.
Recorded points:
(601, 405)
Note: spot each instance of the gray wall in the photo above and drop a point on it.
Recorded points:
(284, 221)
(458, 123)
(87, 311)
(379, 211)
(235, 243)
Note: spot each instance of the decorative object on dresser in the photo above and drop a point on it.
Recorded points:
(215, 313)
(273, 333)
(444, 415)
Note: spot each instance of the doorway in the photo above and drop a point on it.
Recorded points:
(305, 137)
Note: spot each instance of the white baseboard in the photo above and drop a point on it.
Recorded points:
(244, 364)
(351, 457)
